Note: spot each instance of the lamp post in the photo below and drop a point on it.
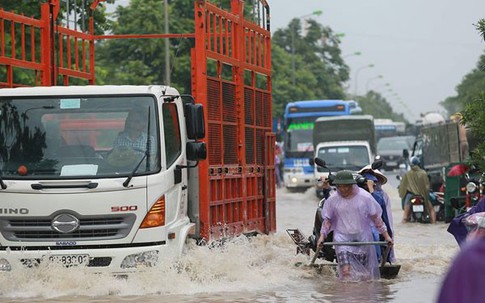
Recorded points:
(370, 80)
(292, 31)
(352, 54)
(357, 75)
(167, 43)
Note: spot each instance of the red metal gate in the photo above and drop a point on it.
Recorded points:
(47, 54)
(232, 74)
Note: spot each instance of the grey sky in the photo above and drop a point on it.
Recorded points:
(422, 48)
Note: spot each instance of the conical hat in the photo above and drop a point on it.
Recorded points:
(375, 172)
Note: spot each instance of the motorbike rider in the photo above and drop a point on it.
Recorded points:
(350, 213)
(415, 182)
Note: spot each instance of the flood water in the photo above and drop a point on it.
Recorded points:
(258, 269)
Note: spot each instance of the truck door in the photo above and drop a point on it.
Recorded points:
(171, 182)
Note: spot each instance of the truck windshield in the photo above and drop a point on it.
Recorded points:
(78, 137)
(344, 157)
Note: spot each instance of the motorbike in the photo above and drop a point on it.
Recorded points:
(419, 212)
(437, 199)
(472, 192)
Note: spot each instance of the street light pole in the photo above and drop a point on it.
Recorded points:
(292, 32)
(357, 75)
(352, 54)
(167, 43)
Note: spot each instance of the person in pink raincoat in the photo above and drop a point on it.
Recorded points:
(349, 214)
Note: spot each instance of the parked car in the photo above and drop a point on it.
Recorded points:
(390, 149)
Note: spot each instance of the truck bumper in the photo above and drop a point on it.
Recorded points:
(111, 260)
(101, 258)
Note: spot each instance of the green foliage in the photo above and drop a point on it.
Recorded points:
(471, 97)
(28, 8)
(318, 71)
(470, 87)
(474, 118)
(481, 27)
(31, 8)
(142, 61)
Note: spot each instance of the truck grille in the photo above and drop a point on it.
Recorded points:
(90, 228)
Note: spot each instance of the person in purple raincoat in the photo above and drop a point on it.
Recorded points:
(349, 214)
(457, 227)
(465, 278)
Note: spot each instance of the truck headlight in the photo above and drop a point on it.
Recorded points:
(146, 259)
(294, 180)
(471, 187)
(5, 265)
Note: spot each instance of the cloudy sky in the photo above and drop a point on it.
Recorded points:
(422, 48)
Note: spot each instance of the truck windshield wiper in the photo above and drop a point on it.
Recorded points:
(39, 186)
(2, 184)
(130, 176)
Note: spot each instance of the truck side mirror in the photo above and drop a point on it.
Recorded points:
(194, 121)
(377, 163)
(320, 162)
(196, 151)
(405, 153)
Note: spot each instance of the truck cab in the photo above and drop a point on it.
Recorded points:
(78, 189)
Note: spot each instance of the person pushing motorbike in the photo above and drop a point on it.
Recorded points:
(415, 182)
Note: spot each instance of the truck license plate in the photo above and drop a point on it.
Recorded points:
(391, 163)
(418, 208)
(70, 260)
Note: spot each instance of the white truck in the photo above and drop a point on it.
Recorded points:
(68, 195)
(344, 142)
(76, 189)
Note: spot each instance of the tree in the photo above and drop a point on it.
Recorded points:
(142, 61)
(470, 87)
(470, 100)
(319, 71)
(79, 10)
